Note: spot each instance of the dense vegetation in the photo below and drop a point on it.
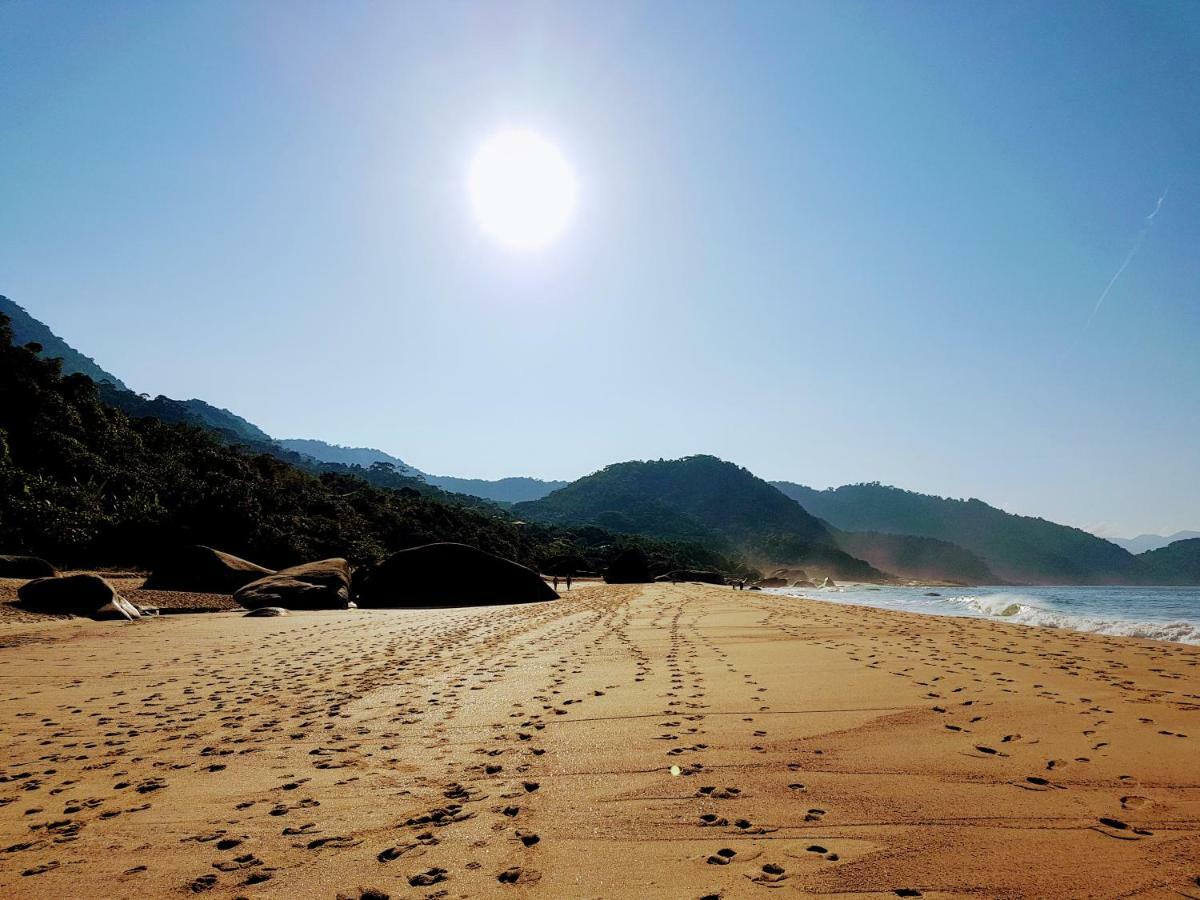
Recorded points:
(704, 500)
(81, 482)
(183, 412)
(1017, 548)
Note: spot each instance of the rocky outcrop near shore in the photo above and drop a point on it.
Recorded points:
(25, 567)
(324, 584)
(450, 574)
(76, 595)
(628, 567)
(201, 569)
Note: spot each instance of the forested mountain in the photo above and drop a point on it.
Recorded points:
(500, 490)
(713, 506)
(701, 499)
(1019, 549)
(184, 412)
(82, 483)
(26, 330)
(1176, 563)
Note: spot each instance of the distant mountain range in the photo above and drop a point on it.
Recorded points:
(862, 531)
(501, 490)
(1019, 549)
(1145, 542)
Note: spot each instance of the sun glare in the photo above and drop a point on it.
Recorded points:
(522, 189)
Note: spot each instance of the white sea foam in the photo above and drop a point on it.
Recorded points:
(1020, 608)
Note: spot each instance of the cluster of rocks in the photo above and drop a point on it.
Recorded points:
(442, 574)
(25, 567)
(792, 577)
(433, 575)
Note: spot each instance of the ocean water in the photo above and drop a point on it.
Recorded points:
(1161, 613)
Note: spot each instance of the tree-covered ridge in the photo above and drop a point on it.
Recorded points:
(1020, 549)
(28, 330)
(690, 497)
(83, 483)
(1176, 563)
(700, 499)
(184, 412)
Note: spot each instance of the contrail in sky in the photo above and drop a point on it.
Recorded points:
(1137, 245)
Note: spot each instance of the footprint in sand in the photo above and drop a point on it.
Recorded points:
(1115, 828)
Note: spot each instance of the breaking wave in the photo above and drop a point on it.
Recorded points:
(1162, 614)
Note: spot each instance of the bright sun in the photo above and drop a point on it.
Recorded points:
(522, 189)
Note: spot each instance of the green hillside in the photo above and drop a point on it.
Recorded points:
(1019, 549)
(1176, 563)
(701, 499)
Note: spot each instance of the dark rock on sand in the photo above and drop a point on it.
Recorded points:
(628, 567)
(324, 584)
(76, 595)
(772, 582)
(203, 570)
(25, 567)
(693, 575)
(449, 574)
(264, 612)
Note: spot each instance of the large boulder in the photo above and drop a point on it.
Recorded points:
(76, 595)
(630, 566)
(324, 584)
(449, 574)
(772, 582)
(25, 567)
(203, 570)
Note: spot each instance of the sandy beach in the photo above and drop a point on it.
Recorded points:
(637, 741)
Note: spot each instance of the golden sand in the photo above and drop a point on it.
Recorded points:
(528, 751)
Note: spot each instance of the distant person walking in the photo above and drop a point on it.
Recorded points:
(556, 582)
(568, 582)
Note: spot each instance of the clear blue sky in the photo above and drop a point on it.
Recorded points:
(832, 242)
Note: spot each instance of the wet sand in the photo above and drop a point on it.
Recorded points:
(526, 751)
